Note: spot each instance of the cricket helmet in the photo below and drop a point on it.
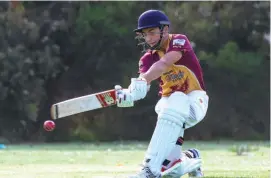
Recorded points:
(151, 18)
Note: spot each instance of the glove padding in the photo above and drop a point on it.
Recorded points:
(124, 97)
(138, 88)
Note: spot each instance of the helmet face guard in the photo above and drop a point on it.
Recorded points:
(151, 19)
(145, 46)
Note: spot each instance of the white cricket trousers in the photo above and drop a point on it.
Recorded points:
(198, 101)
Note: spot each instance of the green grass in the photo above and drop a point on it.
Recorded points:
(118, 160)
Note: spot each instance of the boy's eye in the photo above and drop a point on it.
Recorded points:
(148, 33)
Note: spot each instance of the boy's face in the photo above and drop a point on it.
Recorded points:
(151, 35)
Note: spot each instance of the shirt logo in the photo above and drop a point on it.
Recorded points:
(178, 42)
(174, 77)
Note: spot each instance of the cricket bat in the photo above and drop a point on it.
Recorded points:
(83, 104)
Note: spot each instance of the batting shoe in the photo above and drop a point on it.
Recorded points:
(194, 153)
(181, 167)
(146, 173)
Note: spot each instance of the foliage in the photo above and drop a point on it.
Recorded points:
(29, 58)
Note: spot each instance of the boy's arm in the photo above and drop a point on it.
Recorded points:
(159, 67)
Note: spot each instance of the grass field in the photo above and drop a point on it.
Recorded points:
(120, 159)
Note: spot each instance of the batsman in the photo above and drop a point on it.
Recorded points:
(170, 59)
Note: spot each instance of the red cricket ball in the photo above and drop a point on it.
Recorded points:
(49, 125)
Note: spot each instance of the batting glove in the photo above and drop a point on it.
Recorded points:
(138, 88)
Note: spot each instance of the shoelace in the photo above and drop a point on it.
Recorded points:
(146, 171)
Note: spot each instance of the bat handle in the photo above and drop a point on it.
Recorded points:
(119, 93)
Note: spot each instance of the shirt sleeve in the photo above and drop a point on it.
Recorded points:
(179, 43)
(145, 63)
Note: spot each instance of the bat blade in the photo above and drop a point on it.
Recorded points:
(83, 104)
